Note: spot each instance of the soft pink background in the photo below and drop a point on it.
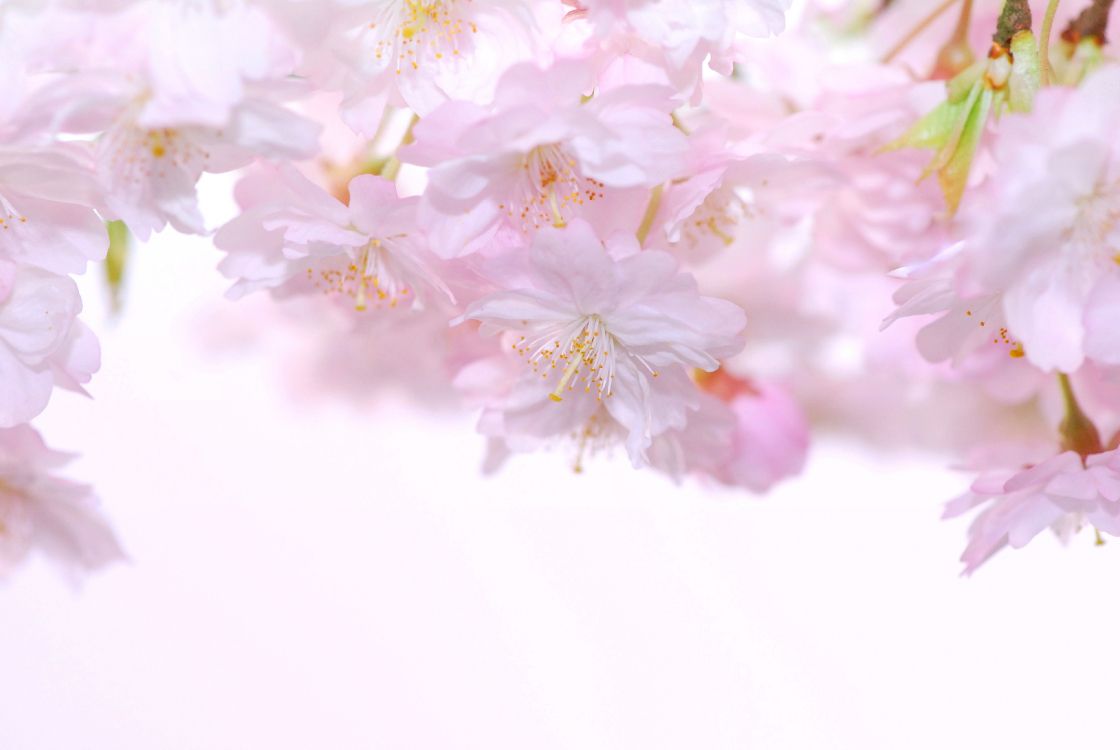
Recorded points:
(313, 576)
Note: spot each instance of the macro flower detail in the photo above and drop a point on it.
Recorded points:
(606, 328)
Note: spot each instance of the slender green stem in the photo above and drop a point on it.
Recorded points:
(1044, 41)
(651, 213)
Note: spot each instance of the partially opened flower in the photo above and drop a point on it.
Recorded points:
(612, 330)
(40, 512)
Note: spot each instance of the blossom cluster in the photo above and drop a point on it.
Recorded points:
(689, 232)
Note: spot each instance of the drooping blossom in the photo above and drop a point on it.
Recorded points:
(422, 53)
(42, 343)
(540, 155)
(46, 215)
(41, 512)
(200, 89)
(681, 36)
(614, 328)
(1064, 494)
(293, 237)
(1045, 236)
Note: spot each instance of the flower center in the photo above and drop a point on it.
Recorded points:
(1091, 241)
(718, 216)
(136, 154)
(582, 351)
(9, 216)
(369, 278)
(550, 189)
(409, 32)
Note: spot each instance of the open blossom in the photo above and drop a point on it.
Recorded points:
(1063, 493)
(1045, 236)
(42, 512)
(681, 35)
(294, 237)
(422, 53)
(539, 154)
(42, 343)
(164, 112)
(46, 219)
(613, 330)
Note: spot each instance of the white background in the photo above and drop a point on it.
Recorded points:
(312, 575)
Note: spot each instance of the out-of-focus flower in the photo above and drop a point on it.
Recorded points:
(42, 512)
(1045, 235)
(198, 88)
(42, 344)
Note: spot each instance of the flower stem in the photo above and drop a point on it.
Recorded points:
(1078, 431)
(1092, 23)
(393, 165)
(116, 260)
(956, 54)
(1044, 41)
(915, 32)
(650, 214)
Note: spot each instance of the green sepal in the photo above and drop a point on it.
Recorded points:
(1026, 72)
(953, 176)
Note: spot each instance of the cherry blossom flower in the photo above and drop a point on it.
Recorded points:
(538, 154)
(612, 329)
(293, 237)
(1063, 493)
(42, 512)
(163, 113)
(682, 35)
(42, 344)
(46, 217)
(422, 53)
(1045, 237)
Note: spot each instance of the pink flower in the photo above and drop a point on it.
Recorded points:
(1062, 493)
(39, 511)
(539, 154)
(684, 33)
(422, 54)
(743, 434)
(46, 217)
(294, 237)
(601, 329)
(42, 344)
(198, 89)
(1045, 236)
